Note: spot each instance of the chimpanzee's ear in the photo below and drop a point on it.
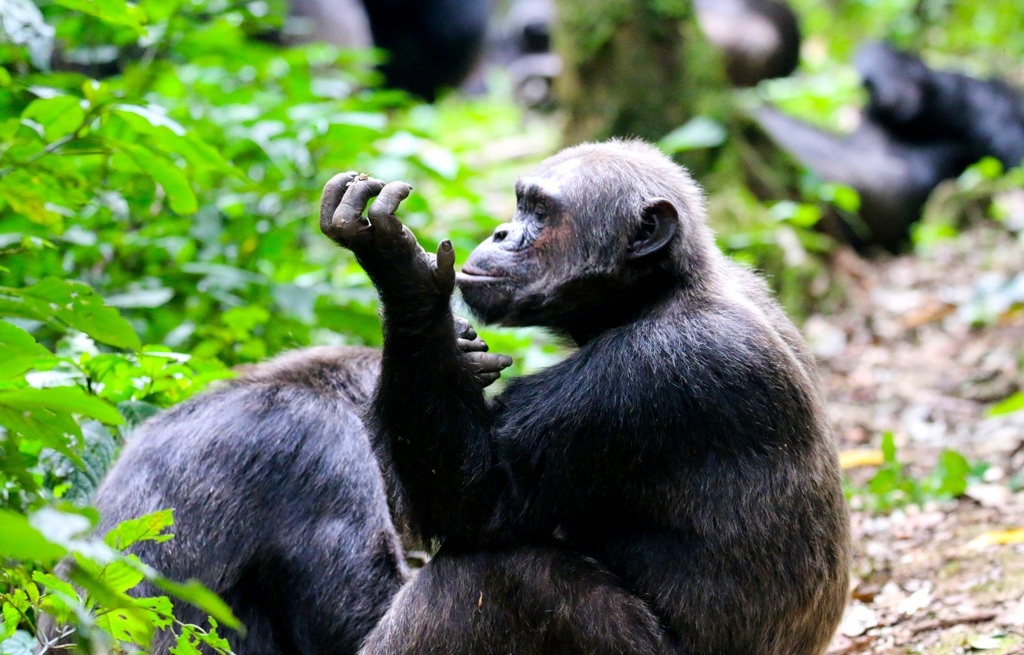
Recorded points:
(659, 221)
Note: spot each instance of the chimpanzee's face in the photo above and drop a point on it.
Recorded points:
(524, 264)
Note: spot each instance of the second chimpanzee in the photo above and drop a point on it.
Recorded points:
(922, 105)
(279, 504)
(670, 487)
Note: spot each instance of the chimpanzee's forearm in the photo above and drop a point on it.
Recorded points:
(430, 415)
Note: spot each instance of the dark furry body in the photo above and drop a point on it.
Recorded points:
(671, 487)
(921, 126)
(279, 504)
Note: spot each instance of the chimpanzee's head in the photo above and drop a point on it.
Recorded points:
(597, 227)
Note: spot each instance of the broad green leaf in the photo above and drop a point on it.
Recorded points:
(187, 643)
(122, 576)
(952, 472)
(1012, 404)
(59, 116)
(19, 540)
(195, 593)
(144, 528)
(131, 624)
(176, 186)
(21, 643)
(21, 353)
(115, 12)
(53, 583)
(161, 611)
(700, 132)
(71, 400)
(73, 304)
(12, 617)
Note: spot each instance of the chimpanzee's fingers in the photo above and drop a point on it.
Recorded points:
(463, 328)
(487, 362)
(487, 379)
(471, 345)
(354, 201)
(382, 211)
(444, 267)
(331, 196)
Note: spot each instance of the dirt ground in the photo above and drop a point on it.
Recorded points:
(925, 346)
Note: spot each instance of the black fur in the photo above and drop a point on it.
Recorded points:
(279, 505)
(920, 127)
(918, 104)
(430, 45)
(893, 176)
(672, 486)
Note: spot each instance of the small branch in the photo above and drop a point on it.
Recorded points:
(50, 148)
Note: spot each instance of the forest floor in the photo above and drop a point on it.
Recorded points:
(925, 345)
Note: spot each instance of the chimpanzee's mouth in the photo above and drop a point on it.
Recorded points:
(472, 274)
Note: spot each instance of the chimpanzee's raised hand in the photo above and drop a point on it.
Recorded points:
(486, 367)
(385, 248)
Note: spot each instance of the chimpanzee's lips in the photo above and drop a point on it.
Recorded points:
(472, 274)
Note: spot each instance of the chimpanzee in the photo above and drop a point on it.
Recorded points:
(279, 504)
(893, 176)
(921, 105)
(671, 486)
(431, 44)
(759, 39)
(919, 127)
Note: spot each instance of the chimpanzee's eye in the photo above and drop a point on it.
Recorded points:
(540, 209)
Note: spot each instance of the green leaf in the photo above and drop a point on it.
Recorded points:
(952, 471)
(195, 593)
(72, 304)
(19, 540)
(59, 116)
(122, 576)
(176, 186)
(12, 617)
(115, 12)
(53, 583)
(888, 448)
(187, 643)
(131, 624)
(1012, 404)
(71, 400)
(144, 528)
(21, 353)
(161, 611)
(22, 643)
(700, 132)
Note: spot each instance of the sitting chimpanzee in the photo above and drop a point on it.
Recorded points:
(279, 504)
(921, 105)
(670, 487)
(893, 176)
(920, 127)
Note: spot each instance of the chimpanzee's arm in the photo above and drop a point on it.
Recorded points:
(429, 417)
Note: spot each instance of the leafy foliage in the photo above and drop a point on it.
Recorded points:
(892, 486)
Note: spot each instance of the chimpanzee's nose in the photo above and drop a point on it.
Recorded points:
(501, 233)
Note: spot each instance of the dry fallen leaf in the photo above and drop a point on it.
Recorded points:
(856, 457)
(991, 538)
(859, 618)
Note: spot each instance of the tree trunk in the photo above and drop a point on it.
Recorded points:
(631, 67)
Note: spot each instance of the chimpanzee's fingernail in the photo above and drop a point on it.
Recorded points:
(446, 245)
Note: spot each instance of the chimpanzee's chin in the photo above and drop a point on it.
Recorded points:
(488, 302)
